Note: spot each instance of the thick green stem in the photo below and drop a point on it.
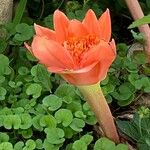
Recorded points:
(97, 101)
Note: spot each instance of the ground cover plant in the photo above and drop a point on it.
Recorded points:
(40, 110)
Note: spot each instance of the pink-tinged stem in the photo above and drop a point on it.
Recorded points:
(137, 13)
(95, 98)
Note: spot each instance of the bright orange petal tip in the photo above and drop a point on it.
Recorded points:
(81, 52)
(105, 26)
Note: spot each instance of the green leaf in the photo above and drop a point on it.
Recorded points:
(139, 22)
(52, 102)
(34, 89)
(42, 75)
(64, 116)
(75, 106)
(87, 139)
(122, 49)
(19, 145)
(12, 121)
(121, 147)
(48, 21)
(23, 32)
(48, 146)
(48, 121)
(68, 132)
(137, 128)
(2, 79)
(23, 70)
(39, 144)
(79, 145)
(2, 93)
(123, 103)
(19, 12)
(133, 77)
(80, 114)
(139, 37)
(125, 91)
(109, 88)
(36, 122)
(147, 89)
(29, 145)
(3, 45)
(26, 121)
(27, 133)
(104, 144)
(3, 137)
(66, 90)
(4, 63)
(6, 144)
(139, 58)
(55, 135)
(77, 124)
(144, 143)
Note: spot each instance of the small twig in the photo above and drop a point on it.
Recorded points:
(137, 13)
(61, 4)
(42, 11)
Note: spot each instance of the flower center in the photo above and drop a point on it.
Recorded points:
(77, 46)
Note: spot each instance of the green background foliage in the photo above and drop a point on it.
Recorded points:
(38, 110)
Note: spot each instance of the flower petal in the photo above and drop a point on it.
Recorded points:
(86, 78)
(61, 23)
(105, 26)
(90, 74)
(76, 28)
(45, 32)
(55, 69)
(51, 54)
(102, 51)
(91, 23)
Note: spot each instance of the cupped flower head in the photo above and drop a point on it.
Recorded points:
(81, 52)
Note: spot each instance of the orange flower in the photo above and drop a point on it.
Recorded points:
(81, 52)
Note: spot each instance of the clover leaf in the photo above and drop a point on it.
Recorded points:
(2, 79)
(27, 133)
(12, 121)
(67, 92)
(42, 76)
(29, 145)
(64, 116)
(26, 121)
(79, 145)
(36, 122)
(3, 137)
(6, 144)
(48, 146)
(87, 138)
(39, 144)
(34, 89)
(23, 70)
(80, 114)
(2, 93)
(19, 145)
(52, 102)
(55, 135)
(106, 144)
(48, 121)
(23, 32)
(77, 124)
(4, 63)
